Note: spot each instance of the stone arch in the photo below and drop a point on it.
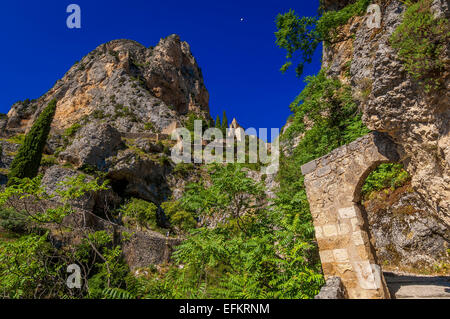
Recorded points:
(333, 185)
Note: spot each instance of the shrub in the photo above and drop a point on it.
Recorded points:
(142, 212)
(183, 169)
(179, 218)
(421, 42)
(12, 220)
(71, 131)
(28, 159)
(329, 23)
(30, 269)
(385, 176)
(98, 114)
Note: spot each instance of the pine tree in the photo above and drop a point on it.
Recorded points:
(224, 123)
(217, 124)
(28, 158)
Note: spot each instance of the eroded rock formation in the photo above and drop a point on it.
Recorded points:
(394, 103)
(125, 84)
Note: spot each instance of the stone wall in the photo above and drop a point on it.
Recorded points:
(333, 184)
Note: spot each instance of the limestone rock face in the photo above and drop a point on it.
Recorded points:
(148, 248)
(407, 236)
(92, 146)
(394, 103)
(125, 84)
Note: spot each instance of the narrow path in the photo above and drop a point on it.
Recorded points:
(409, 286)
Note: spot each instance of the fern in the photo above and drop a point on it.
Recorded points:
(117, 293)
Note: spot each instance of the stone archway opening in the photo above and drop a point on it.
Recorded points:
(333, 185)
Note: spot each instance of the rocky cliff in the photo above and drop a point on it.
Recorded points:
(409, 225)
(392, 101)
(116, 108)
(124, 84)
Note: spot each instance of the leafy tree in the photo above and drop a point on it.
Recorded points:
(303, 35)
(27, 269)
(297, 34)
(27, 161)
(231, 196)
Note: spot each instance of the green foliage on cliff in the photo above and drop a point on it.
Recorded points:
(385, 176)
(303, 35)
(28, 159)
(421, 41)
(72, 130)
(329, 23)
(180, 219)
(327, 106)
(141, 212)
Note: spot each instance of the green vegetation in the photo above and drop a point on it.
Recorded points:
(71, 131)
(181, 220)
(27, 269)
(190, 123)
(183, 169)
(217, 122)
(303, 35)
(48, 160)
(325, 114)
(17, 139)
(224, 124)
(327, 105)
(241, 257)
(385, 176)
(140, 212)
(329, 23)
(28, 159)
(149, 126)
(30, 266)
(98, 114)
(421, 41)
(12, 220)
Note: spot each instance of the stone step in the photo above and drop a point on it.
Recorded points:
(410, 286)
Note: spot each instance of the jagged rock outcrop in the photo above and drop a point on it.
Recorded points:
(126, 85)
(394, 103)
(92, 145)
(406, 235)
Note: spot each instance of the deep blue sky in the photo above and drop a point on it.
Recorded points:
(240, 60)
